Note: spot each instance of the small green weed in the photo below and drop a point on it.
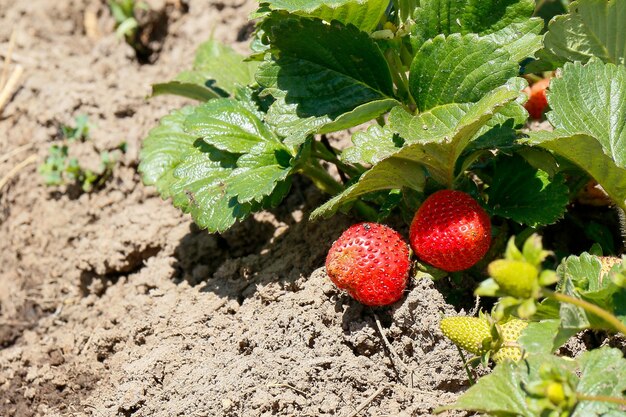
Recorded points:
(126, 23)
(61, 169)
(80, 132)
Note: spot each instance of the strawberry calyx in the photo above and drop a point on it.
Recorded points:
(506, 344)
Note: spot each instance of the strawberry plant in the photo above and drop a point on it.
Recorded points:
(433, 93)
(590, 294)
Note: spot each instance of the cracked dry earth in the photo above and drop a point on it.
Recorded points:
(113, 304)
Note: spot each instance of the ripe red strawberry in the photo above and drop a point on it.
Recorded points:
(450, 231)
(371, 262)
(537, 101)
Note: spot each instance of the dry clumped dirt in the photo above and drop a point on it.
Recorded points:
(113, 304)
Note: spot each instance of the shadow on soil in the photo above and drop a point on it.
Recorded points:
(257, 251)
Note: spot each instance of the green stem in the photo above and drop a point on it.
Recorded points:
(534, 77)
(469, 374)
(589, 307)
(322, 152)
(399, 76)
(405, 81)
(325, 182)
(601, 398)
(322, 179)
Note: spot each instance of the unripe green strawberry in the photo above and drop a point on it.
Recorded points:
(510, 349)
(450, 231)
(371, 262)
(468, 333)
(516, 278)
(608, 262)
(555, 393)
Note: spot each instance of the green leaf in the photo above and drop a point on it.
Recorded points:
(121, 10)
(217, 71)
(217, 193)
(589, 115)
(592, 28)
(371, 146)
(499, 393)
(394, 172)
(591, 99)
(435, 17)
(284, 119)
(221, 63)
(586, 152)
(80, 132)
(544, 337)
(195, 91)
(458, 69)
(602, 373)
(440, 136)
(584, 271)
(448, 130)
(229, 126)
(55, 166)
(164, 148)
(525, 194)
(575, 274)
(581, 277)
(216, 186)
(547, 309)
(521, 40)
(328, 70)
(258, 173)
(364, 14)
(200, 189)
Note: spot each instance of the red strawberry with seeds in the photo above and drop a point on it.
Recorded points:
(371, 262)
(450, 231)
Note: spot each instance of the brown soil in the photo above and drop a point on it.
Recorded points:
(113, 304)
